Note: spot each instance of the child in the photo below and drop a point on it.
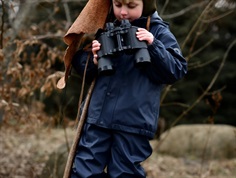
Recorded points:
(124, 107)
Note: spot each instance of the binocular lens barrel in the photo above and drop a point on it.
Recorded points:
(142, 56)
(105, 66)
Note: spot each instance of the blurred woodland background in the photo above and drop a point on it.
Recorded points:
(31, 107)
(32, 49)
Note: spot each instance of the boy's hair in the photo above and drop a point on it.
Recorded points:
(125, 1)
(149, 6)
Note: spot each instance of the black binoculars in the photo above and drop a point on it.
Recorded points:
(115, 39)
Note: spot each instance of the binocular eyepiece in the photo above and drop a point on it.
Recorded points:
(120, 38)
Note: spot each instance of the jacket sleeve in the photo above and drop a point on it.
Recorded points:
(168, 64)
(79, 64)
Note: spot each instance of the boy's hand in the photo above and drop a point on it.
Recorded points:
(144, 35)
(95, 47)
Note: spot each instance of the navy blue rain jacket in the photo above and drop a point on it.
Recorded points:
(129, 100)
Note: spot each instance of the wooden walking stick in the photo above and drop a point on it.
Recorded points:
(79, 129)
(80, 120)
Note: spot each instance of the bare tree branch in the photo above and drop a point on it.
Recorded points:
(200, 65)
(218, 17)
(2, 25)
(164, 7)
(68, 17)
(183, 11)
(199, 50)
(175, 104)
(197, 23)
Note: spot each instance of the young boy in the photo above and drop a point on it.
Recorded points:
(124, 107)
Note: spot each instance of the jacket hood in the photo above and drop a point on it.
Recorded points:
(155, 18)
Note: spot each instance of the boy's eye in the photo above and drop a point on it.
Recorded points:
(118, 4)
(132, 5)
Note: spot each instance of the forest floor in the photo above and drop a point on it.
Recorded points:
(23, 153)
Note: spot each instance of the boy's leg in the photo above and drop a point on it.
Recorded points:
(92, 153)
(127, 152)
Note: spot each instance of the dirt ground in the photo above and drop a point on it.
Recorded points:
(23, 154)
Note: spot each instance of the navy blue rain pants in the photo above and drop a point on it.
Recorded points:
(120, 152)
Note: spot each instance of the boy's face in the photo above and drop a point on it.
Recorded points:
(127, 9)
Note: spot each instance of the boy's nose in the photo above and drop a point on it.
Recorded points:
(123, 11)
